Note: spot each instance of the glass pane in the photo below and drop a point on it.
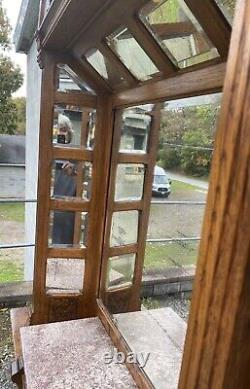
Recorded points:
(105, 68)
(68, 81)
(178, 32)
(71, 179)
(90, 140)
(121, 271)
(124, 228)
(68, 228)
(64, 275)
(129, 182)
(228, 8)
(131, 54)
(136, 123)
(73, 126)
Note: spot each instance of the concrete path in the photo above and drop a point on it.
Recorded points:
(188, 180)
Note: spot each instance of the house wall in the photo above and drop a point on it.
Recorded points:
(32, 147)
(12, 179)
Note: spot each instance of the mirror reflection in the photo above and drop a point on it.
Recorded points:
(179, 190)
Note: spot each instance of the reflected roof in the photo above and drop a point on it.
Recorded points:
(178, 32)
(228, 8)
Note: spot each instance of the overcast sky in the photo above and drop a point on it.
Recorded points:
(13, 7)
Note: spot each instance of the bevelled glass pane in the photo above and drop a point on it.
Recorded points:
(131, 54)
(68, 229)
(64, 275)
(73, 126)
(69, 81)
(228, 8)
(129, 182)
(71, 179)
(105, 68)
(120, 271)
(178, 32)
(136, 123)
(124, 229)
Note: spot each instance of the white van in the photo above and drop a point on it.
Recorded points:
(161, 183)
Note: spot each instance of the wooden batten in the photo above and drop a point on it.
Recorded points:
(127, 206)
(76, 98)
(72, 153)
(218, 31)
(117, 64)
(69, 252)
(151, 47)
(121, 250)
(217, 352)
(40, 306)
(75, 205)
(198, 82)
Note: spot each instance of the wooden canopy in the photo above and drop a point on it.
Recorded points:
(219, 323)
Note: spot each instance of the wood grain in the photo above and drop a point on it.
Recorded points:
(217, 352)
(198, 82)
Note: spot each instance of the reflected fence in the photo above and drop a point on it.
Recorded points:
(162, 253)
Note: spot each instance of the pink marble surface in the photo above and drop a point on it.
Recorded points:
(71, 355)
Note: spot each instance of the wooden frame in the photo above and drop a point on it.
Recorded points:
(83, 304)
(217, 352)
(128, 297)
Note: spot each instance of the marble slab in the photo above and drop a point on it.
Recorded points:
(71, 355)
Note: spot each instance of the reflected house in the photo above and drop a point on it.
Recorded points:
(12, 166)
(101, 278)
(135, 130)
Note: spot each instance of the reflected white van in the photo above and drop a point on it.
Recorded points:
(161, 183)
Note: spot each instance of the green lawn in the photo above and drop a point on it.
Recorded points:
(12, 212)
(181, 186)
(10, 271)
(161, 256)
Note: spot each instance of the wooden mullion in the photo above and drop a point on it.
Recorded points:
(72, 153)
(40, 307)
(132, 158)
(110, 201)
(75, 98)
(197, 82)
(147, 195)
(85, 71)
(74, 205)
(151, 47)
(118, 64)
(97, 211)
(62, 252)
(122, 250)
(80, 177)
(127, 206)
(219, 31)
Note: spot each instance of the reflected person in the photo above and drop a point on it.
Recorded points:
(64, 185)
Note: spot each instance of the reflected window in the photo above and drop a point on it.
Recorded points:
(129, 182)
(178, 32)
(73, 126)
(131, 54)
(105, 68)
(69, 81)
(120, 271)
(136, 124)
(68, 229)
(124, 229)
(64, 276)
(228, 8)
(71, 179)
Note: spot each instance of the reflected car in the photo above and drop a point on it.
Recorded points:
(161, 183)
